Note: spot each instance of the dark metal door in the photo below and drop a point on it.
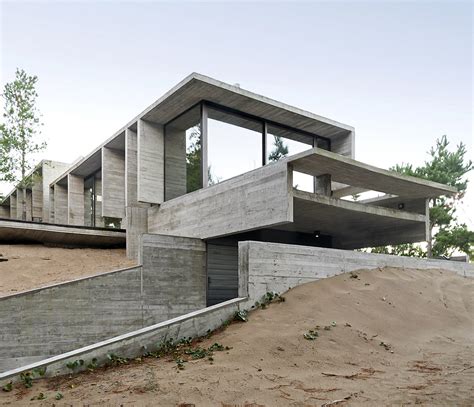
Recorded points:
(222, 273)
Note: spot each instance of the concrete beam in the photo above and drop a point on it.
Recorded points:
(150, 155)
(113, 183)
(75, 200)
(345, 170)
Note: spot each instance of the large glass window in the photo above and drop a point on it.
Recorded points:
(281, 143)
(234, 145)
(210, 144)
(183, 149)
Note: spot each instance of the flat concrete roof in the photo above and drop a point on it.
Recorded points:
(195, 88)
(358, 174)
(62, 235)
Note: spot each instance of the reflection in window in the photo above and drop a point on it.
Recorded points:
(183, 154)
(234, 145)
(281, 143)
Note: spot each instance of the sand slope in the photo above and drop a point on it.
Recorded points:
(424, 317)
(33, 266)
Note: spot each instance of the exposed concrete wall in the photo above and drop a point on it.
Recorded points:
(63, 317)
(265, 267)
(130, 167)
(150, 156)
(51, 170)
(253, 200)
(60, 204)
(137, 224)
(28, 204)
(20, 203)
(4, 211)
(75, 200)
(37, 198)
(344, 145)
(133, 344)
(175, 162)
(113, 183)
(175, 268)
(13, 206)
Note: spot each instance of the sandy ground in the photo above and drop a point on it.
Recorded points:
(424, 319)
(33, 266)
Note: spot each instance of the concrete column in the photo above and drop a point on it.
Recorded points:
(322, 185)
(99, 220)
(51, 205)
(113, 183)
(13, 206)
(60, 204)
(130, 167)
(20, 203)
(150, 165)
(37, 199)
(175, 163)
(429, 248)
(51, 171)
(28, 205)
(75, 200)
(137, 224)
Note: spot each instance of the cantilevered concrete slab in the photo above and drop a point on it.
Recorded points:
(353, 225)
(354, 173)
(15, 231)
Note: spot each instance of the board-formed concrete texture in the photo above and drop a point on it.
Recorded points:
(75, 200)
(145, 163)
(131, 160)
(255, 199)
(62, 317)
(16, 231)
(134, 343)
(60, 204)
(150, 153)
(113, 183)
(274, 267)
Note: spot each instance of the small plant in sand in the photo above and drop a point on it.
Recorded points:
(268, 298)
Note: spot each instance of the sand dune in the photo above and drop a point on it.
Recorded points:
(33, 266)
(401, 337)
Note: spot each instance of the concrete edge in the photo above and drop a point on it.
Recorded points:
(77, 280)
(90, 349)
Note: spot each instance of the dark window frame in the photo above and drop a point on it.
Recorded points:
(206, 104)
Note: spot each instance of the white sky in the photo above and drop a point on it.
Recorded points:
(399, 72)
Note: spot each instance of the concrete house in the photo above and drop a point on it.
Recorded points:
(215, 162)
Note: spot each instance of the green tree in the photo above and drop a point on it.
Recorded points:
(20, 128)
(447, 235)
(280, 149)
(193, 162)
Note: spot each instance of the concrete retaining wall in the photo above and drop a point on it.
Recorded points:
(133, 344)
(265, 267)
(41, 323)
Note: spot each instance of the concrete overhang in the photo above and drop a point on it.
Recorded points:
(17, 231)
(84, 167)
(353, 225)
(354, 173)
(196, 88)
